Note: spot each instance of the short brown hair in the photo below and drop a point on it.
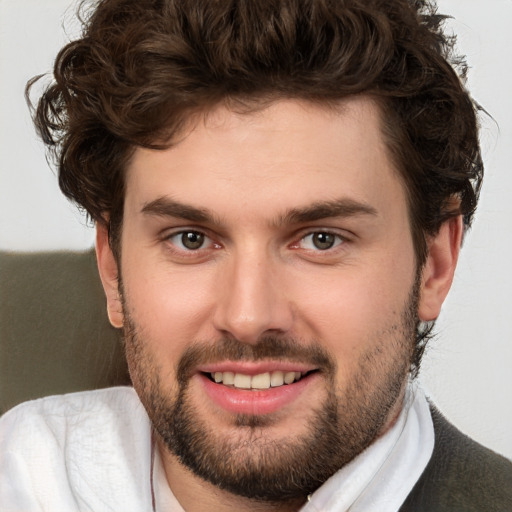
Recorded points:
(142, 66)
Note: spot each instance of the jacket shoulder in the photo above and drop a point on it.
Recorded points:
(462, 476)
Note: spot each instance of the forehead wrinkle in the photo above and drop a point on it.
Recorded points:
(326, 209)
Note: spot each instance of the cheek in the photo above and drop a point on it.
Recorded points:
(343, 316)
(354, 310)
(168, 306)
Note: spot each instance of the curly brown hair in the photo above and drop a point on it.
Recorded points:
(142, 67)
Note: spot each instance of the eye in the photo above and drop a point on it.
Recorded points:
(321, 241)
(189, 240)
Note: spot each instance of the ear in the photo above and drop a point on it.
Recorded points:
(108, 269)
(438, 271)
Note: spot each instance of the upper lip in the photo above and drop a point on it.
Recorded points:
(256, 367)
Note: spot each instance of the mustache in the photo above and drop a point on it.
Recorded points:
(268, 347)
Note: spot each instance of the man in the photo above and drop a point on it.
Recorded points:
(280, 190)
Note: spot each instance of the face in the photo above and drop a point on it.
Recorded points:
(269, 294)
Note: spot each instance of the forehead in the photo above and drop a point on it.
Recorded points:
(287, 155)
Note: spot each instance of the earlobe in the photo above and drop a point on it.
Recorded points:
(438, 271)
(108, 270)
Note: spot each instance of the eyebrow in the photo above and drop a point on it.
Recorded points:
(166, 207)
(328, 209)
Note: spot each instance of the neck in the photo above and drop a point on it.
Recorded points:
(395, 411)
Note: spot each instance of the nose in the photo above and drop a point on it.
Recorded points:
(253, 301)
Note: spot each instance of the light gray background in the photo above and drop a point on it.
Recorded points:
(468, 369)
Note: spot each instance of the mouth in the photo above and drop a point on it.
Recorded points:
(261, 381)
(256, 389)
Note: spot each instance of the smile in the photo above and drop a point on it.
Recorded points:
(261, 381)
(252, 390)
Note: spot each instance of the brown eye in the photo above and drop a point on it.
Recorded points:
(192, 240)
(323, 241)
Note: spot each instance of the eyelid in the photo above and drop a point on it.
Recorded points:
(169, 232)
(343, 235)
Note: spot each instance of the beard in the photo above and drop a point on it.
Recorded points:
(249, 461)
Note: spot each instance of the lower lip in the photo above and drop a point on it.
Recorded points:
(257, 402)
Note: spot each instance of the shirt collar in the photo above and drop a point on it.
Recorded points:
(382, 476)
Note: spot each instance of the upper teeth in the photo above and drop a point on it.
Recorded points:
(260, 381)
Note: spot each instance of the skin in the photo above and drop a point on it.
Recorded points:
(259, 273)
